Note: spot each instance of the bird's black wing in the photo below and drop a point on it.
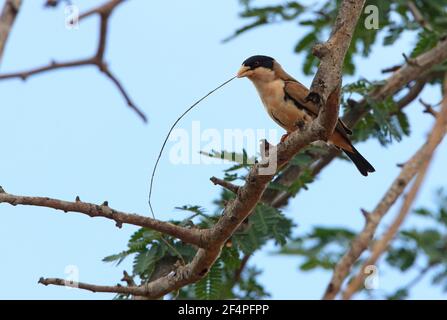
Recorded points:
(297, 92)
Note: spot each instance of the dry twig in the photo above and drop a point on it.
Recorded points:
(104, 11)
(236, 211)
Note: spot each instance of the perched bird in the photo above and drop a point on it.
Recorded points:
(284, 98)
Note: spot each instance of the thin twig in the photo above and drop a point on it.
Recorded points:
(418, 16)
(238, 272)
(225, 184)
(104, 11)
(428, 108)
(187, 235)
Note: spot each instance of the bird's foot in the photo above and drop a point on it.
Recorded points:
(284, 137)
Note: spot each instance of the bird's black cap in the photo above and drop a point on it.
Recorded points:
(259, 61)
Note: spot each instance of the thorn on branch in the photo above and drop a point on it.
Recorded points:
(392, 69)
(225, 184)
(51, 3)
(2, 190)
(128, 279)
(366, 214)
(410, 61)
(42, 281)
(78, 199)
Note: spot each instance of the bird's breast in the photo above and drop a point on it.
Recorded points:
(283, 111)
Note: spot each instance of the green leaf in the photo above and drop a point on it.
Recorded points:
(118, 258)
(145, 260)
(210, 286)
(402, 258)
(426, 41)
(264, 224)
(400, 294)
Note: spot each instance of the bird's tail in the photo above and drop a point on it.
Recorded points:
(360, 162)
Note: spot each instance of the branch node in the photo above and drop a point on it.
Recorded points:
(128, 279)
(314, 97)
(320, 50)
(366, 214)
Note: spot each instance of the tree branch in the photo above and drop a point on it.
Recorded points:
(327, 81)
(418, 15)
(225, 184)
(418, 163)
(192, 236)
(438, 131)
(104, 11)
(7, 18)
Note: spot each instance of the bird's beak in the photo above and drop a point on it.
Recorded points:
(243, 71)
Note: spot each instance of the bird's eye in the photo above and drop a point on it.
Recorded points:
(256, 63)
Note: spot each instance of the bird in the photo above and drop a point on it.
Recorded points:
(284, 99)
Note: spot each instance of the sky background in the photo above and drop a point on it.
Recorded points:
(69, 133)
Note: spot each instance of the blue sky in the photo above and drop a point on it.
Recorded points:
(69, 133)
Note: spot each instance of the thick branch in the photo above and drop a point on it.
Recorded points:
(248, 195)
(193, 236)
(418, 71)
(416, 164)
(417, 14)
(381, 245)
(327, 81)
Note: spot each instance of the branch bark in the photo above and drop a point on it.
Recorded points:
(419, 70)
(332, 55)
(438, 131)
(418, 163)
(104, 11)
(7, 18)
